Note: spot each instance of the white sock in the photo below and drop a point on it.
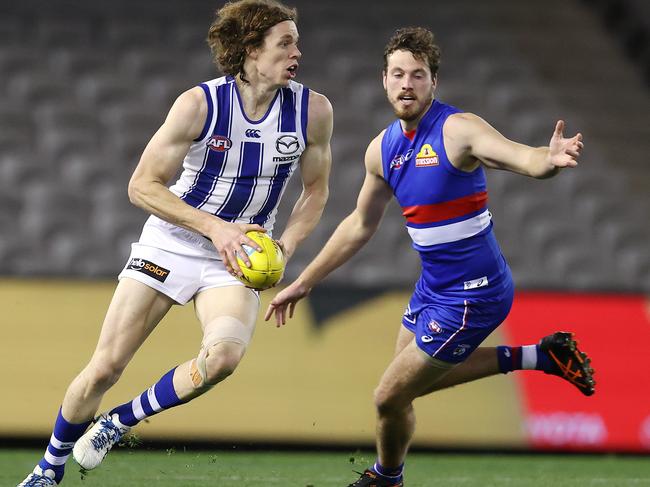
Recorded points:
(529, 357)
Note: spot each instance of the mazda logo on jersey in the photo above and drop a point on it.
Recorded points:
(287, 144)
(253, 133)
(219, 143)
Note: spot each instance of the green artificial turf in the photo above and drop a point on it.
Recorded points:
(140, 467)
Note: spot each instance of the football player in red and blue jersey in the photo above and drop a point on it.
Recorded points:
(432, 159)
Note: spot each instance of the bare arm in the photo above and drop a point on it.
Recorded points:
(161, 160)
(315, 165)
(470, 140)
(351, 234)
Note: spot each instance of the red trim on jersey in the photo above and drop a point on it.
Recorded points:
(410, 134)
(445, 210)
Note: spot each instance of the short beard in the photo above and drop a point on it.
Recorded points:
(406, 115)
(409, 116)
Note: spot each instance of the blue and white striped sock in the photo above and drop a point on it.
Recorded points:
(527, 357)
(61, 442)
(157, 398)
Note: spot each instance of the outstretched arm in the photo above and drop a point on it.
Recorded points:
(471, 141)
(351, 234)
(315, 165)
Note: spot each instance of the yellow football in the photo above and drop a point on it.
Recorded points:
(266, 267)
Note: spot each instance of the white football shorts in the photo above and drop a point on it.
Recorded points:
(177, 262)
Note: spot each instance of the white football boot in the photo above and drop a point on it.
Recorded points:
(94, 445)
(39, 478)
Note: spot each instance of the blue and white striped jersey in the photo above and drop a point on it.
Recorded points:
(238, 168)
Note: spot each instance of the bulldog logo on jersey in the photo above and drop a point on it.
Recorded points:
(434, 327)
(219, 143)
(426, 157)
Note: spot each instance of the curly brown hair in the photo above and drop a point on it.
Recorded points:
(239, 27)
(419, 41)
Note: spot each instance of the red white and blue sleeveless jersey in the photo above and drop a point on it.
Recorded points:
(238, 168)
(446, 215)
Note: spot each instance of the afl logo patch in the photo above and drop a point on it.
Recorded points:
(219, 143)
(287, 144)
(397, 162)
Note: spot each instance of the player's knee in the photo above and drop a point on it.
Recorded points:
(222, 360)
(223, 347)
(215, 363)
(102, 377)
(389, 401)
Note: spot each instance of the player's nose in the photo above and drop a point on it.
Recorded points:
(407, 84)
(406, 87)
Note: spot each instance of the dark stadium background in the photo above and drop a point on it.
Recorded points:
(83, 85)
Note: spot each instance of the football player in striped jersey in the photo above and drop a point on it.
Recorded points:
(238, 140)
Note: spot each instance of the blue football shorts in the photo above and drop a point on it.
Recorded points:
(452, 330)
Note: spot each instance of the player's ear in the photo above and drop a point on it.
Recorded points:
(252, 52)
(434, 81)
(383, 78)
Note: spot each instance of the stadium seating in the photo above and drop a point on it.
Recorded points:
(84, 86)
